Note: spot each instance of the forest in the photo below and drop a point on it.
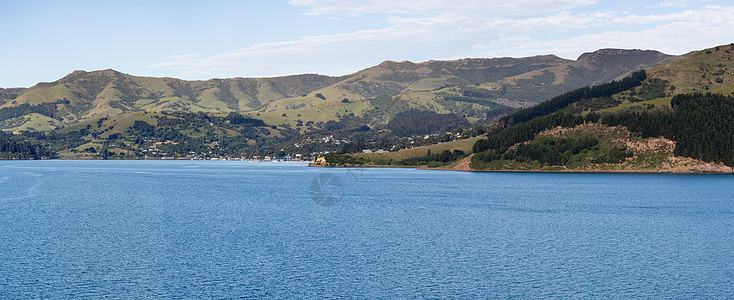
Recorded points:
(12, 148)
(559, 102)
(702, 125)
(417, 122)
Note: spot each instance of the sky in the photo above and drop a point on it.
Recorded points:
(43, 41)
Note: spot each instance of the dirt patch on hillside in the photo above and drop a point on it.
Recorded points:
(464, 164)
(657, 150)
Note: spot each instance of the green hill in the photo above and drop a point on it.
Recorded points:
(666, 104)
(477, 88)
(654, 121)
(83, 95)
(394, 105)
(589, 69)
(708, 70)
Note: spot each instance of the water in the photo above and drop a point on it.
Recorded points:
(177, 229)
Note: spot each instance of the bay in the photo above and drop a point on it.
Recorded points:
(214, 229)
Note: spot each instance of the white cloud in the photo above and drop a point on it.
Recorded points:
(456, 33)
(183, 56)
(417, 38)
(433, 7)
(672, 3)
(683, 32)
(712, 13)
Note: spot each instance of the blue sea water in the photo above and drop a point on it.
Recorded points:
(182, 229)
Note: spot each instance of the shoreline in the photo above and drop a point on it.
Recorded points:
(532, 171)
(159, 159)
(317, 165)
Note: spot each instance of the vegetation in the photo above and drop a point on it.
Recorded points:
(559, 102)
(444, 87)
(704, 127)
(701, 124)
(416, 122)
(11, 148)
(338, 159)
(389, 107)
(523, 132)
(551, 151)
(47, 109)
(433, 160)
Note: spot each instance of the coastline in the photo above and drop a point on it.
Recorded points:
(668, 171)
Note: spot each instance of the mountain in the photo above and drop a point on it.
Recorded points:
(589, 69)
(679, 118)
(83, 95)
(476, 88)
(676, 117)
(708, 70)
(490, 103)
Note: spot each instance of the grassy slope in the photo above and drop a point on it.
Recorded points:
(628, 105)
(463, 145)
(118, 123)
(696, 72)
(108, 93)
(561, 75)
(31, 122)
(590, 69)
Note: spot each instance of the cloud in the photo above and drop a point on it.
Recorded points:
(436, 7)
(439, 36)
(183, 56)
(676, 33)
(671, 3)
(459, 32)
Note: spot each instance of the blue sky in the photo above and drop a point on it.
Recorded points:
(45, 40)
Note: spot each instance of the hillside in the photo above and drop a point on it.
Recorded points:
(708, 70)
(477, 88)
(444, 105)
(594, 147)
(85, 95)
(654, 121)
(589, 69)
(666, 104)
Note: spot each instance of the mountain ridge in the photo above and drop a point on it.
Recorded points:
(438, 103)
(429, 85)
(675, 117)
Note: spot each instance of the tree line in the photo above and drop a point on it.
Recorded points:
(550, 151)
(417, 122)
(526, 131)
(433, 160)
(702, 125)
(46, 109)
(559, 102)
(10, 148)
